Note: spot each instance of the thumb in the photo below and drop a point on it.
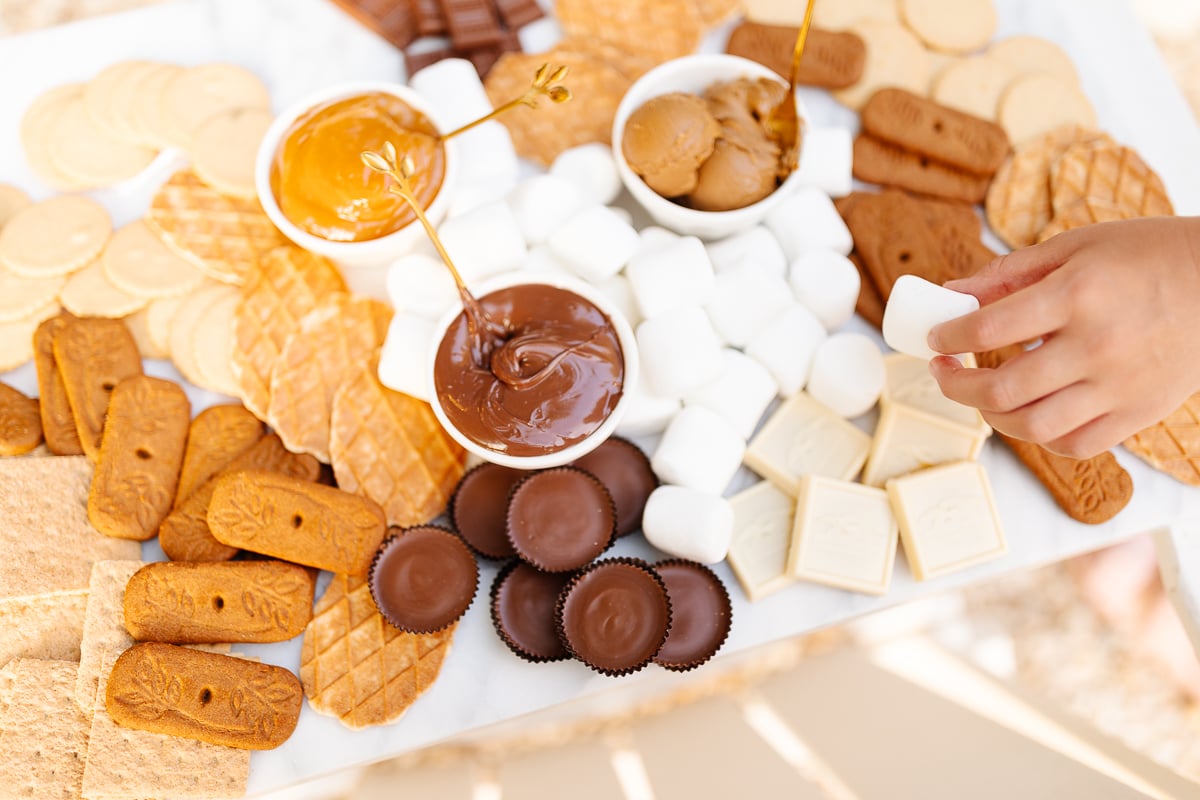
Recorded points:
(1014, 271)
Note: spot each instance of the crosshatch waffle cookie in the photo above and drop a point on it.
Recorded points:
(1172, 445)
(1085, 211)
(357, 667)
(1110, 173)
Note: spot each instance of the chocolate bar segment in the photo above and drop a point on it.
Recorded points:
(393, 20)
(472, 23)
(430, 19)
(518, 13)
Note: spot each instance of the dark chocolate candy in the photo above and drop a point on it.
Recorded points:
(523, 601)
(423, 579)
(700, 614)
(625, 471)
(479, 505)
(560, 519)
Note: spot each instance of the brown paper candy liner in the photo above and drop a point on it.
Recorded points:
(586, 555)
(520, 649)
(464, 593)
(683, 611)
(492, 554)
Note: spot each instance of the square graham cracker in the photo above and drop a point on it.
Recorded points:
(43, 736)
(46, 626)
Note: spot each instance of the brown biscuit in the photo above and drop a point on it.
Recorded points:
(238, 601)
(138, 469)
(931, 129)
(831, 60)
(218, 435)
(58, 424)
(184, 534)
(20, 422)
(94, 355)
(870, 303)
(958, 232)
(876, 161)
(205, 696)
(302, 522)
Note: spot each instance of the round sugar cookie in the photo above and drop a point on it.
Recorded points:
(54, 237)
(12, 202)
(895, 57)
(974, 85)
(160, 313)
(20, 297)
(137, 262)
(139, 327)
(107, 98)
(834, 16)
(146, 104)
(938, 64)
(952, 26)
(195, 94)
(186, 326)
(83, 151)
(225, 147)
(1031, 54)
(16, 336)
(89, 294)
(35, 129)
(212, 346)
(1036, 104)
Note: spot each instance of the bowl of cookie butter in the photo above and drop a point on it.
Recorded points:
(539, 376)
(314, 186)
(692, 146)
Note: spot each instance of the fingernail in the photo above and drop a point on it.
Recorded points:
(933, 340)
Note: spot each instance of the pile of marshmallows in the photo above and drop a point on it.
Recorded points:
(722, 328)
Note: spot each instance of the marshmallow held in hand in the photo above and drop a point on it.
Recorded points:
(914, 307)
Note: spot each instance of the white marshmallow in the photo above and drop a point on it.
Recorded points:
(688, 524)
(542, 203)
(483, 241)
(618, 290)
(540, 35)
(486, 155)
(653, 237)
(675, 275)
(699, 450)
(404, 360)
(593, 170)
(757, 247)
(786, 347)
(647, 413)
(826, 160)
(808, 221)
(679, 351)
(827, 284)
(453, 89)
(847, 374)
(914, 307)
(744, 301)
(540, 259)
(421, 284)
(624, 214)
(740, 394)
(470, 196)
(594, 243)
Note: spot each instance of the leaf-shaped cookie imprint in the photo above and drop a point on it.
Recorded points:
(154, 690)
(166, 595)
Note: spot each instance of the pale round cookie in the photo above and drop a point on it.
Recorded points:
(895, 57)
(100, 96)
(138, 263)
(20, 297)
(12, 202)
(1032, 54)
(83, 151)
(89, 294)
(834, 16)
(195, 94)
(161, 312)
(16, 336)
(139, 326)
(35, 127)
(938, 64)
(1036, 104)
(54, 237)
(146, 104)
(224, 149)
(974, 85)
(186, 326)
(952, 26)
(212, 346)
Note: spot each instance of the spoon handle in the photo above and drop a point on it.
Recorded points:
(801, 39)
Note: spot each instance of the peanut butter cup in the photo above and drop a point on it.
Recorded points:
(478, 507)
(523, 600)
(700, 614)
(560, 519)
(614, 615)
(423, 579)
(625, 471)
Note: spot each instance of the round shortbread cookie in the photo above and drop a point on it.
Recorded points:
(212, 346)
(146, 104)
(974, 85)
(138, 263)
(161, 312)
(83, 151)
(139, 326)
(123, 98)
(1031, 54)
(194, 95)
(952, 26)
(1036, 104)
(20, 297)
(186, 326)
(938, 64)
(12, 202)
(895, 57)
(107, 97)
(16, 336)
(54, 237)
(89, 294)
(225, 147)
(833, 16)
(35, 127)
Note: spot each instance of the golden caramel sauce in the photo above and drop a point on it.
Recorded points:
(324, 188)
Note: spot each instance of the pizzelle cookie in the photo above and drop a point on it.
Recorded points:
(1170, 445)
(93, 356)
(20, 422)
(895, 57)
(54, 237)
(58, 424)
(138, 263)
(1108, 173)
(1081, 213)
(217, 436)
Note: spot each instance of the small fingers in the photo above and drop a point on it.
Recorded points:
(1027, 377)
(1029, 314)
(1012, 272)
(1054, 417)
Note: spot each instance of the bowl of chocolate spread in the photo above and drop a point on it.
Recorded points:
(544, 382)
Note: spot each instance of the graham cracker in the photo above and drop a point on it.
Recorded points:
(8, 674)
(46, 542)
(43, 737)
(46, 626)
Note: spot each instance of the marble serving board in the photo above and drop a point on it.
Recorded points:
(298, 46)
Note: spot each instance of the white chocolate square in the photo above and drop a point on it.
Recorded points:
(762, 534)
(804, 437)
(845, 536)
(907, 440)
(909, 383)
(947, 519)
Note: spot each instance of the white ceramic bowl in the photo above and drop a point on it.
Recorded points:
(371, 253)
(596, 438)
(693, 74)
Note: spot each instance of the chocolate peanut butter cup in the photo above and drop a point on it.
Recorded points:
(478, 507)
(701, 614)
(560, 519)
(614, 615)
(523, 601)
(625, 471)
(423, 579)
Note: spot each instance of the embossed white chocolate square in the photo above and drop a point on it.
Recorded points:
(845, 536)
(803, 437)
(762, 534)
(909, 383)
(947, 518)
(907, 440)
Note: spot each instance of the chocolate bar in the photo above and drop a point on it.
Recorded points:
(518, 13)
(472, 23)
(391, 19)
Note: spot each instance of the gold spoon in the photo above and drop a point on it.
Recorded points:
(546, 75)
(782, 123)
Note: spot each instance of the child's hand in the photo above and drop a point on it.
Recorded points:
(1117, 308)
